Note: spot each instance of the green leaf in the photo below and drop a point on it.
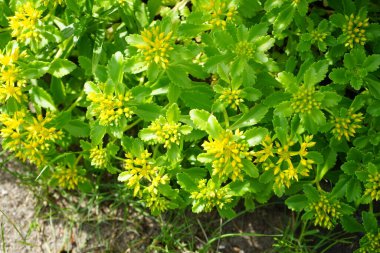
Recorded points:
(239, 188)
(276, 98)
(255, 135)
(338, 76)
(124, 176)
(42, 98)
(205, 121)
(148, 112)
(252, 117)
(198, 97)
(173, 113)
(97, 133)
(369, 222)
(372, 62)
(250, 168)
(115, 68)
(374, 108)
(77, 128)
(330, 99)
(297, 202)
(192, 30)
(58, 90)
(283, 20)
(315, 156)
(351, 225)
(311, 193)
(353, 190)
(316, 73)
(61, 67)
(350, 167)
(178, 76)
(35, 70)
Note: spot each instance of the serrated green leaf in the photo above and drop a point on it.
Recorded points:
(297, 202)
(97, 133)
(42, 98)
(255, 135)
(178, 76)
(148, 112)
(252, 117)
(369, 222)
(316, 73)
(250, 169)
(311, 193)
(351, 225)
(353, 190)
(61, 67)
(372, 62)
(77, 128)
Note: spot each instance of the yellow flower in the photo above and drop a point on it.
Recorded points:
(98, 156)
(244, 49)
(9, 75)
(326, 211)
(372, 186)
(156, 46)
(221, 11)
(304, 100)
(231, 97)
(29, 140)
(9, 59)
(167, 133)
(211, 195)
(139, 168)
(227, 153)
(110, 108)
(354, 30)
(346, 126)
(68, 177)
(157, 203)
(370, 243)
(24, 22)
(281, 158)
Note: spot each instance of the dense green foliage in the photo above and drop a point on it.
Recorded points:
(202, 103)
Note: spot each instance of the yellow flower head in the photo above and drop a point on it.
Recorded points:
(156, 45)
(244, 49)
(326, 211)
(347, 125)
(10, 58)
(167, 133)
(109, 109)
(211, 195)
(227, 153)
(304, 101)
(221, 11)
(140, 168)
(98, 156)
(370, 243)
(354, 30)
(281, 158)
(232, 98)
(372, 186)
(24, 22)
(69, 177)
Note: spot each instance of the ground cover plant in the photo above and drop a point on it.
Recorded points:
(202, 104)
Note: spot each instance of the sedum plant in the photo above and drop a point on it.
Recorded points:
(205, 104)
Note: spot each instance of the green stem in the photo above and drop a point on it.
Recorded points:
(132, 125)
(77, 160)
(226, 118)
(73, 105)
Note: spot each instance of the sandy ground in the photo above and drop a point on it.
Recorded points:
(24, 228)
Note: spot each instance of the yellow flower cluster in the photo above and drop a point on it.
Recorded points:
(210, 195)
(98, 156)
(10, 83)
(232, 98)
(304, 100)
(227, 153)
(318, 36)
(24, 22)
(156, 46)
(354, 30)
(167, 133)
(145, 177)
(326, 211)
(221, 13)
(68, 177)
(280, 158)
(244, 49)
(142, 168)
(372, 186)
(109, 108)
(29, 139)
(346, 126)
(371, 243)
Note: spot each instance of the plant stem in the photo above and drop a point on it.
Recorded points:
(226, 118)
